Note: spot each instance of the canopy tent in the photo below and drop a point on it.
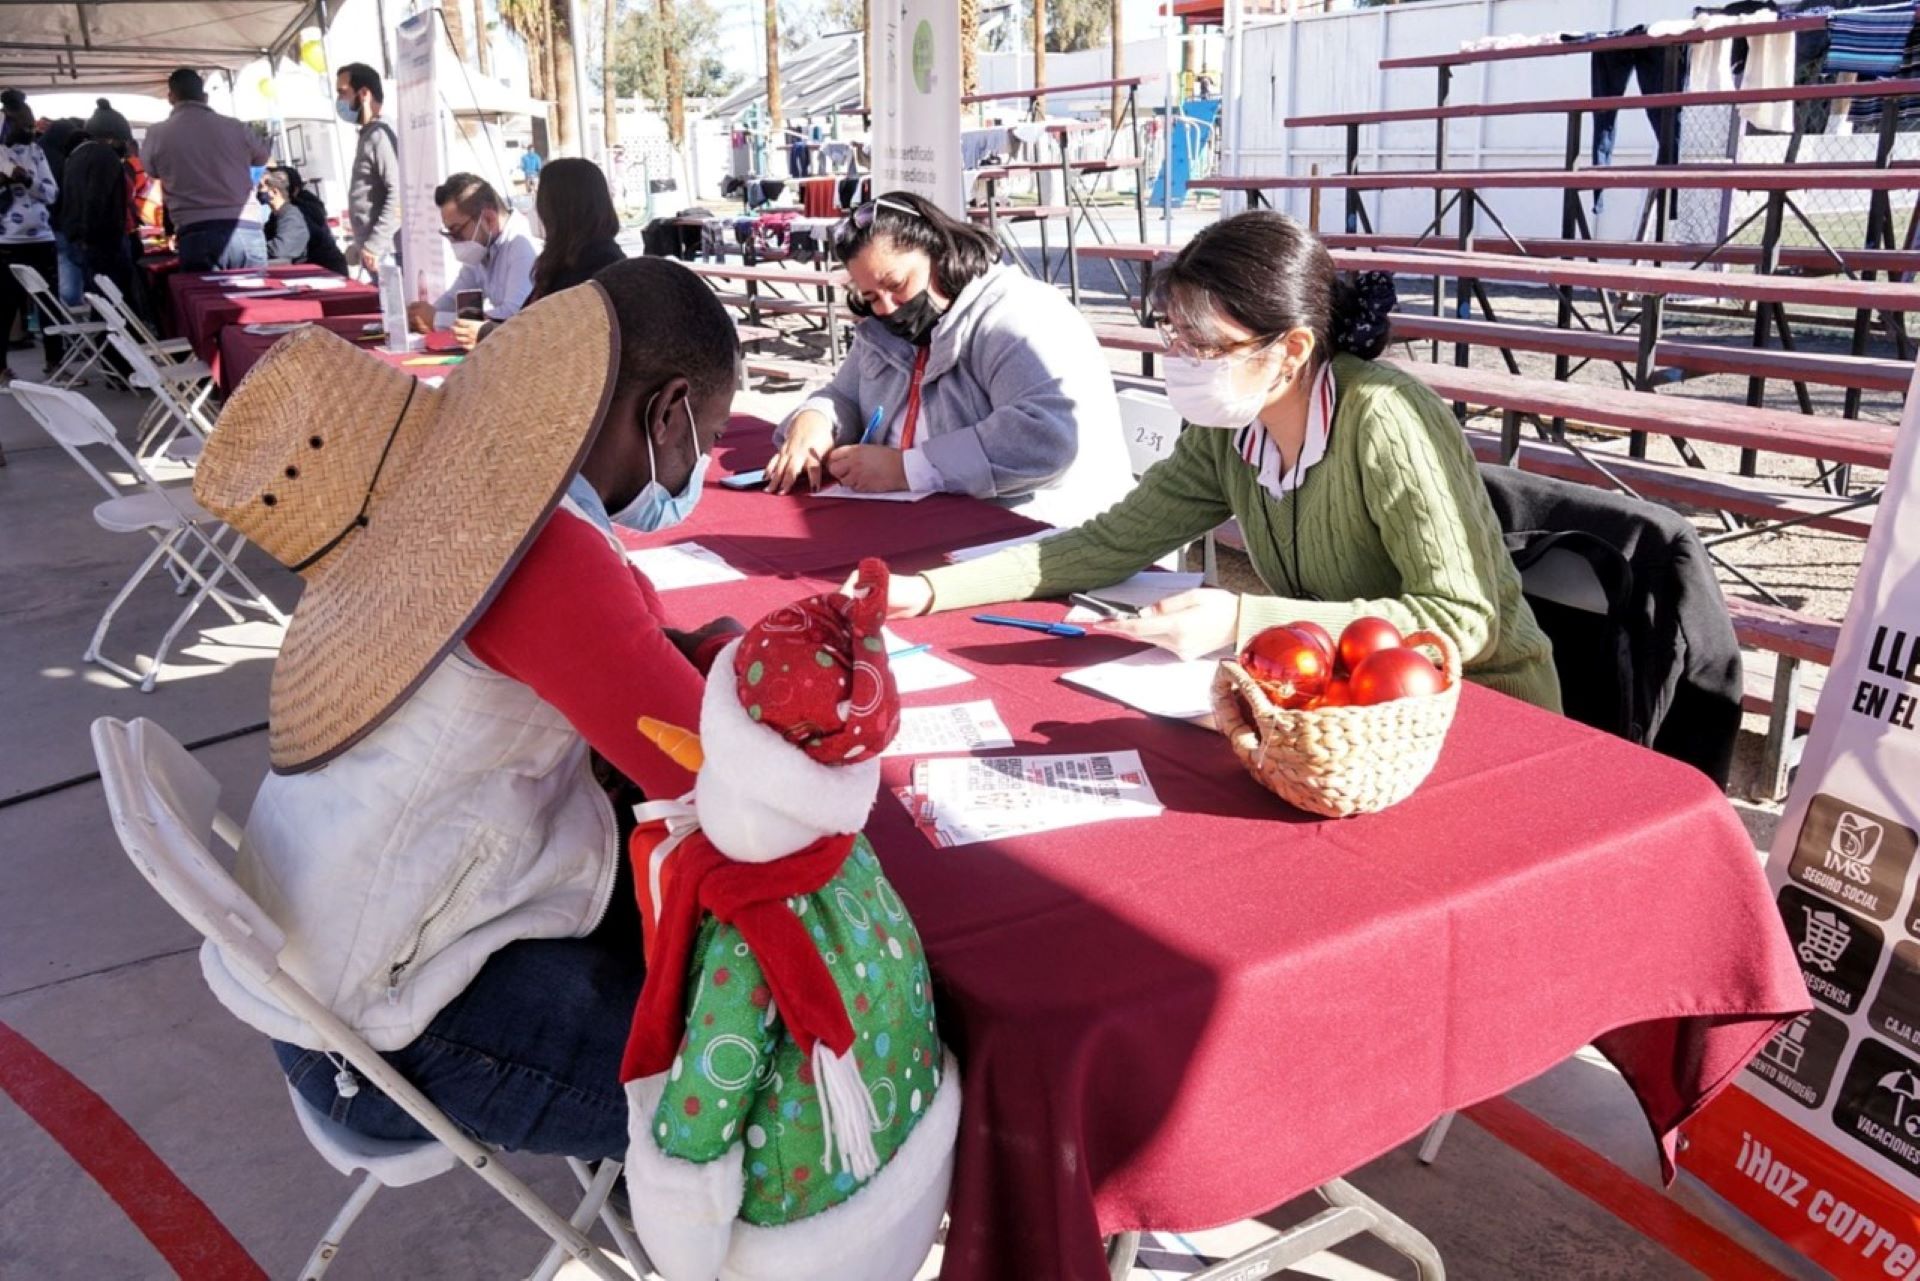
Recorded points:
(133, 44)
(819, 80)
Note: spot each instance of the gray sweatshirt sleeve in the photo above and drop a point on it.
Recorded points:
(839, 400)
(289, 238)
(1038, 374)
(384, 220)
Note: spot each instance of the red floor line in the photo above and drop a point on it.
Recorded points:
(1647, 1210)
(178, 1224)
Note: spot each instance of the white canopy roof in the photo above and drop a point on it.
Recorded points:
(133, 44)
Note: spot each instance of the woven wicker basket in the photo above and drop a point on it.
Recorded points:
(1338, 761)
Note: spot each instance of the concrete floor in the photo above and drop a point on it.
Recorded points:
(99, 975)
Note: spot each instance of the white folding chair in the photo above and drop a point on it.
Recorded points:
(82, 337)
(180, 388)
(159, 348)
(165, 809)
(178, 526)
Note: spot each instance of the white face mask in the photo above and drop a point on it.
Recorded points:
(1202, 392)
(471, 253)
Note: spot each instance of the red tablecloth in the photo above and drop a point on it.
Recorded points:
(240, 351)
(1179, 1022)
(204, 304)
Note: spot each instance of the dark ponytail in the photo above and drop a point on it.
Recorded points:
(1266, 272)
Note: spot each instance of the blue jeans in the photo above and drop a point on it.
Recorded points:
(527, 1058)
(221, 246)
(80, 263)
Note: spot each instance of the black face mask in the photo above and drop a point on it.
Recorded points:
(261, 196)
(913, 320)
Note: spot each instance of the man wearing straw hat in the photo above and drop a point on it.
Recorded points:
(432, 838)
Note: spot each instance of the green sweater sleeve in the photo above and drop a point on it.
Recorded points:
(730, 1041)
(1423, 493)
(1178, 500)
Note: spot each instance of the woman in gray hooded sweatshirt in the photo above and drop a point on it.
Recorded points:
(965, 376)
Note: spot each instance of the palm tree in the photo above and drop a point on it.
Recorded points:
(567, 94)
(1119, 65)
(675, 84)
(483, 58)
(970, 46)
(608, 100)
(1039, 56)
(774, 120)
(529, 19)
(456, 21)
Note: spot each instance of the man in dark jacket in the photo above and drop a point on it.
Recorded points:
(92, 220)
(297, 228)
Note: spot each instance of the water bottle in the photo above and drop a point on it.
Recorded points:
(393, 306)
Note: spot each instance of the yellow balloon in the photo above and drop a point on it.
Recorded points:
(313, 54)
(268, 89)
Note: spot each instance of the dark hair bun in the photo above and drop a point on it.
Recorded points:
(1362, 313)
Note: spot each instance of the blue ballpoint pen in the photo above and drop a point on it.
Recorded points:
(873, 424)
(1031, 625)
(908, 652)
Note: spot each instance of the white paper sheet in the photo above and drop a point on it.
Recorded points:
(891, 496)
(1156, 682)
(683, 565)
(920, 672)
(987, 549)
(1147, 588)
(950, 727)
(961, 800)
(259, 293)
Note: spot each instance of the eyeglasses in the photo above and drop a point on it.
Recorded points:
(459, 233)
(861, 219)
(1177, 345)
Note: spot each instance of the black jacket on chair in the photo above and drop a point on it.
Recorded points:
(1627, 594)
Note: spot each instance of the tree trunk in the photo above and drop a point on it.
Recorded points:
(483, 56)
(1119, 65)
(567, 128)
(675, 84)
(970, 46)
(776, 123)
(1039, 56)
(609, 101)
(456, 20)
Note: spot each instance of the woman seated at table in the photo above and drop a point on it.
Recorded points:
(578, 219)
(297, 228)
(965, 376)
(1352, 483)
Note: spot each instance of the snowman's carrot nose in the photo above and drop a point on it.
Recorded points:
(681, 746)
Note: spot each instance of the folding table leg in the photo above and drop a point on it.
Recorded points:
(1782, 722)
(1436, 1135)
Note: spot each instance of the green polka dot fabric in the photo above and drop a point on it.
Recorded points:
(739, 1079)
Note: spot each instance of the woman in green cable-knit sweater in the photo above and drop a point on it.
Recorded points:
(1352, 483)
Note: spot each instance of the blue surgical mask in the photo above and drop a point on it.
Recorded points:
(655, 509)
(349, 109)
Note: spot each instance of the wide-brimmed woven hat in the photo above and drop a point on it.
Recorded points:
(403, 506)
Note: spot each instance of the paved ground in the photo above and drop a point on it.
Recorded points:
(99, 977)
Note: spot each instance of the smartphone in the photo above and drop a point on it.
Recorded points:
(745, 480)
(470, 304)
(1104, 608)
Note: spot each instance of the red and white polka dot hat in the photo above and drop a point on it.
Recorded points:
(815, 672)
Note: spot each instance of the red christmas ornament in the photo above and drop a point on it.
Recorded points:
(1395, 673)
(1364, 637)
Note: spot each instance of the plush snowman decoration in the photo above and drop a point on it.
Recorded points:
(792, 1110)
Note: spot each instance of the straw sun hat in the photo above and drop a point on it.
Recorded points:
(402, 506)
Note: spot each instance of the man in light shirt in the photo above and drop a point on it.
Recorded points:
(496, 252)
(205, 161)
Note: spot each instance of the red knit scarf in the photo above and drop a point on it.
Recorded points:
(751, 897)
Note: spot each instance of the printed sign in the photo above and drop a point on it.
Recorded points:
(914, 79)
(1819, 1139)
(415, 107)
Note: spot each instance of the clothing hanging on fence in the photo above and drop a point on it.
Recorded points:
(1710, 66)
(1871, 42)
(1613, 70)
(1770, 63)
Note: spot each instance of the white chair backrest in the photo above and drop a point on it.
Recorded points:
(120, 314)
(108, 311)
(165, 808)
(30, 280)
(141, 370)
(76, 425)
(1151, 426)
